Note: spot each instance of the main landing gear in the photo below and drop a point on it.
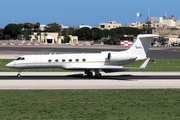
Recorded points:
(19, 73)
(90, 74)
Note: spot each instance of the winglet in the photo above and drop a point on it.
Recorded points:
(144, 64)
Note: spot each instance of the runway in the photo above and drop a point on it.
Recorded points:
(12, 52)
(76, 80)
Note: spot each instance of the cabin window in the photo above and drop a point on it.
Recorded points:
(83, 60)
(77, 60)
(56, 60)
(19, 58)
(63, 60)
(70, 60)
(49, 60)
(23, 58)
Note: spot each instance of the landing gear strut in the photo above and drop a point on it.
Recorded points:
(19, 73)
(97, 74)
(88, 73)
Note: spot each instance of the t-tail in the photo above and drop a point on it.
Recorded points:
(141, 46)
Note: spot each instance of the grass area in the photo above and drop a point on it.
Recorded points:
(158, 65)
(90, 104)
(153, 65)
(177, 49)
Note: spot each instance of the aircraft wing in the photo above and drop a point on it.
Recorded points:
(105, 68)
(101, 67)
(108, 68)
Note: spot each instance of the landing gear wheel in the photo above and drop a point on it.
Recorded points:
(89, 74)
(18, 75)
(98, 75)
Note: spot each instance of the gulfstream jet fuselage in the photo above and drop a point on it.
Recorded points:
(107, 61)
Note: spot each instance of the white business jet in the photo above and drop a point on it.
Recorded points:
(107, 61)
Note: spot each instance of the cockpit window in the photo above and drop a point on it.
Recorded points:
(23, 58)
(19, 58)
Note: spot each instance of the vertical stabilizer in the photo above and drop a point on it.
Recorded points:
(141, 45)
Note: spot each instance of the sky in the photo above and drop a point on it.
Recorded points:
(87, 12)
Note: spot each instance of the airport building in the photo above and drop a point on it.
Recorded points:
(49, 38)
(110, 25)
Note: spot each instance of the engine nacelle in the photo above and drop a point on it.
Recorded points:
(119, 56)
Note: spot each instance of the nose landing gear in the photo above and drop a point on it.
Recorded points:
(19, 73)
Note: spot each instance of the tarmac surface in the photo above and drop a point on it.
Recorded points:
(76, 80)
(12, 52)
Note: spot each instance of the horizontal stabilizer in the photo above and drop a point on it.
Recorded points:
(145, 63)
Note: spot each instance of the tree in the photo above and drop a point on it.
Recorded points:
(96, 33)
(45, 34)
(125, 31)
(26, 35)
(39, 34)
(36, 26)
(7, 37)
(106, 33)
(12, 30)
(84, 33)
(31, 26)
(53, 27)
(26, 26)
(21, 25)
(64, 31)
(67, 38)
(1, 33)
(71, 30)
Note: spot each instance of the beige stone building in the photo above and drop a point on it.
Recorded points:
(178, 24)
(110, 25)
(165, 30)
(52, 38)
(169, 22)
(155, 23)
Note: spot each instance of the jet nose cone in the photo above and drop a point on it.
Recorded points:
(11, 64)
